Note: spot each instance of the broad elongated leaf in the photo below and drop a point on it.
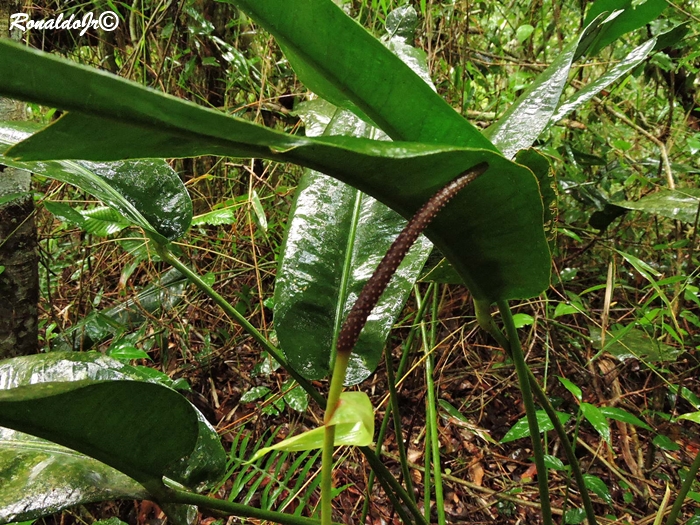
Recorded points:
(520, 126)
(164, 294)
(140, 429)
(633, 343)
(636, 14)
(354, 425)
(147, 192)
(335, 239)
(40, 478)
(598, 486)
(492, 231)
(101, 221)
(680, 204)
(596, 418)
(623, 67)
(521, 428)
(691, 416)
(339, 60)
(619, 414)
(207, 459)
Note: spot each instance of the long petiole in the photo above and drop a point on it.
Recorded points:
(431, 434)
(486, 322)
(524, 381)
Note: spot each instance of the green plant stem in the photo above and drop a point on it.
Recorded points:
(336, 388)
(171, 495)
(403, 363)
(387, 479)
(431, 416)
(490, 326)
(396, 413)
(568, 448)
(167, 256)
(685, 488)
(524, 381)
(428, 454)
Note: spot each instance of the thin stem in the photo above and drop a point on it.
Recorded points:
(393, 488)
(489, 325)
(685, 488)
(394, 397)
(524, 381)
(568, 449)
(188, 498)
(403, 363)
(167, 256)
(428, 454)
(386, 478)
(431, 416)
(336, 388)
(377, 466)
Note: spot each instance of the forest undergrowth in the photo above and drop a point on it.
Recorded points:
(629, 275)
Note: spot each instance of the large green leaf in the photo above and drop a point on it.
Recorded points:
(147, 192)
(525, 120)
(38, 477)
(338, 59)
(623, 67)
(140, 429)
(336, 236)
(681, 204)
(636, 14)
(335, 239)
(206, 462)
(492, 231)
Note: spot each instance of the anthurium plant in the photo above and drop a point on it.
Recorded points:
(381, 143)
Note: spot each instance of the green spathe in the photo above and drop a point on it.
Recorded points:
(354, 425)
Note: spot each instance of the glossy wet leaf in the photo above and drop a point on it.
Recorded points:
(521, 320)
(665, 442)
(335, 239)
(207, 460)
(164, 294)
(354, 425)
(528, 116)
(140, 429)
(554, 463)
(596, 418)
(491, 232)
(681, 204)
(329, 52)
(147, 192)
(101, 221)
(522, 430)
(38, 477)
(619, 414)
(254, 393)
(636, 14)
(598, 486)
(295, 396)
(589, 91)
(691, 416)
(571, 387)
(636, 344)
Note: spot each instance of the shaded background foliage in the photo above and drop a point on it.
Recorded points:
(482, 55)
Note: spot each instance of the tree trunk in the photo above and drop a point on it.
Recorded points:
(19, 275)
